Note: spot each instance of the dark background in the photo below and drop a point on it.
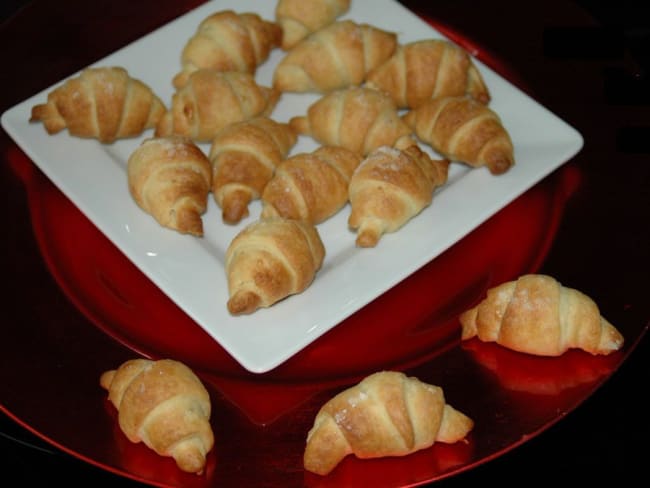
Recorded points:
(600, 63)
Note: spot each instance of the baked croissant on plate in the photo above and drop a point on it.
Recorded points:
(535, 314)
(102, 103)
(463, 130)
(389, 188)
(165, 405)
(169, 178)
(269, 260)
(356, 118)
(386, 414)
(336, 56)
(310, 186)
(244, 156)
(299, 18)
(432, 68)
(211, 100)
(229, 41)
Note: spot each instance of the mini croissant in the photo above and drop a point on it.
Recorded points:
(169, 178)
(299, 18)
(244, 156)
(386, 414)
(165, 405)
(229, 41)
(336, 56)
(310, 186)
(101, 103)
(389, 188)
(269, 260)
(535, 314)
(431, 68)
(356, 118)
(211, 100)
(464, 130)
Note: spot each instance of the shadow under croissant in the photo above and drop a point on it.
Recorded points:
(537, 375)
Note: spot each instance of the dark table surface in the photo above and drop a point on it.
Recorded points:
(586, 62)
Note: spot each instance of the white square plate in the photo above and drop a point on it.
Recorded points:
(191, 271)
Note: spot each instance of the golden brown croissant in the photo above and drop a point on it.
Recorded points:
(389, 188)
(336, 56)
(310, 186)
(165, 405)
(386, 414)
(427, 69)
(356, 118)
(229, 41)
(269, 260)
(464, 130)
(211, 100)
(101, 103)
(535, 314)
(299, 18)
(244, 156)
(169, 178)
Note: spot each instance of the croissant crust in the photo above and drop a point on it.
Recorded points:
(535, 314)
(103, 103)
(165, 405)
(386, 414)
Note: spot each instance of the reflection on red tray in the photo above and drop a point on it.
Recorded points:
(521, 372)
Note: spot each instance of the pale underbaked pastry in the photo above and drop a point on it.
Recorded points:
(336, 56)
(463, 130)
(299, 18)
(164, 405)
(169, 178)
(356, 118)
(535, 314)
(269, 260)
(430, 68)
(211, 100)
(103, 103)
(390, 187)
(310, 186)
(386, 414)
(229, 41)
(244, 158)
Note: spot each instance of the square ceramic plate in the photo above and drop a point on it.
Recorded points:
(191, 271)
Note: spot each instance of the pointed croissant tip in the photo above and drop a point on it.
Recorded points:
(106, 379)
(235, 206)
(500, 165)
(367, 238)
(454, 427)
(49, 116)
(180, 79)
(191, 458)
(299, 124)
(188, 221)
(468, 322)
(244, 302)
(611, 339)
(165, 125)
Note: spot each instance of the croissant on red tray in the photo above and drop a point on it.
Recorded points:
(535, 314)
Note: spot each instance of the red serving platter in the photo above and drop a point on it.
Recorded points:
(261, 420)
